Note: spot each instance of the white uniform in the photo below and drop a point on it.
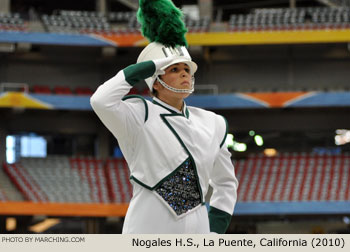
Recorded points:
(162, 146)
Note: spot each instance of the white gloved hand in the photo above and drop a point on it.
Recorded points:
(161, 63)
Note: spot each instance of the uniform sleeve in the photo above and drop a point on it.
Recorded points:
(122, 118)
(224, 184)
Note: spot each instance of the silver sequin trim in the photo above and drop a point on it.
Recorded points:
(181, 190)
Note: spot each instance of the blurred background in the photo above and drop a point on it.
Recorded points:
(278, 70)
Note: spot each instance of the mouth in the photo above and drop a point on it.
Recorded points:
(185, 83)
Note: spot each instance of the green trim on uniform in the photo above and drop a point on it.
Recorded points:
(170, 110)
(140, 71)
(223, 140)
(218, 220)
(174, 171)
(186, 112)
(160, 182)
(139, 97)
(184, 146)
(171, 174)
(140, 183)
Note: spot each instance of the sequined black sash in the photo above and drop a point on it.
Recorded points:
(180, 190)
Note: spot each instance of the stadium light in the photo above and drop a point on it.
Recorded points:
(10, 149)
(342, 136)
(236, 146)
(240, 147)
(270, 152)
(258, 140)
(229, 140)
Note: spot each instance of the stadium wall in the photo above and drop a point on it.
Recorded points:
(233, 69)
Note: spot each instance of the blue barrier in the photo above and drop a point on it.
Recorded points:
(52, 39)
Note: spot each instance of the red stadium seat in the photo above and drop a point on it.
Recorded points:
(41, 89)
(62, 90)
(83, 91)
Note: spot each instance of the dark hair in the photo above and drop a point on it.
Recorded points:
(154, 92)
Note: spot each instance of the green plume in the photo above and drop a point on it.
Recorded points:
(161, 21)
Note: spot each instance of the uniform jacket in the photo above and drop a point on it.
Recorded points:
(156, 139)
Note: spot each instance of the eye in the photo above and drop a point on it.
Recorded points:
(187, 70)
(174, 69)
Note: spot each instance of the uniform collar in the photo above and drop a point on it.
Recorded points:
(170, 108)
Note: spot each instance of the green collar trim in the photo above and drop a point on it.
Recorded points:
(223, 140)
(139, 97)
(186, 114)
(170, 110)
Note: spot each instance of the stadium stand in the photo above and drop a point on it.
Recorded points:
(83, 91)
(288, 177)
(62, 90)
(76, 22)
(8, 191)
(12, 22)
(121, 17)
(91, 22)
(132, 25)
(200, 25)
(81, 22)
(118, 180)
(2, 196)
(343, 3)
(294, 177)
(291, 19)
(41, 89)
(49, 180)
(63, 179)
(25, 183)
(92, 171)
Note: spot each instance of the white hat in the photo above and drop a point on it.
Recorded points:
(159, 51)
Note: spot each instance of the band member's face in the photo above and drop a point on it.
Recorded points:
(177, 76)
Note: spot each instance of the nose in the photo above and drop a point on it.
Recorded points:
(184, 73)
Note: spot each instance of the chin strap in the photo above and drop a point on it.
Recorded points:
(177, 90)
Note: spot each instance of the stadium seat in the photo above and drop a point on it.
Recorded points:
(41, 89)
(62, 90)
(118, 180)
(291, 177)
(12, 22)
(76, 22)
(83, 91)
(287, 177)
(291, 18)
(8, 190)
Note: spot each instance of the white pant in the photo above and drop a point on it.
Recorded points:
(147, 214)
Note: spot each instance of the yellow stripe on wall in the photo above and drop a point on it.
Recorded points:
(269, 37)
(245, 37)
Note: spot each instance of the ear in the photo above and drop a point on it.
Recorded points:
(156, 85)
